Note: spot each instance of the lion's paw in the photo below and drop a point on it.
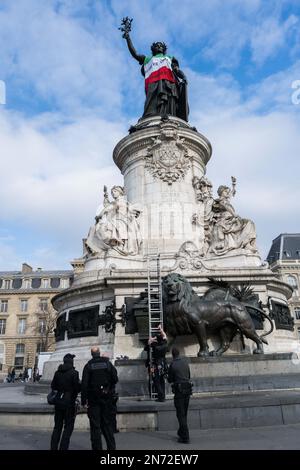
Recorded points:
(213, 353)
(203, 353)
(258, 351)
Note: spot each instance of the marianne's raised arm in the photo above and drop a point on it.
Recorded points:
(126, 28)
(139, 57)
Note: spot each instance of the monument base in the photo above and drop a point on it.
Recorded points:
(232, 373)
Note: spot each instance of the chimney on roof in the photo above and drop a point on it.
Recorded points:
(26, 268)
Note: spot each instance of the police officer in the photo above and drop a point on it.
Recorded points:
(66, 382)
(159, 346)
(98, 383)
(179, 375)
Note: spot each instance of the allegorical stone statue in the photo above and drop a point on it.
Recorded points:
(116, 226)
(224, 230)
(217, 312)
(230, 231)
(165, 83)
(203, 188)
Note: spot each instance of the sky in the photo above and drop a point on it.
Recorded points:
(73, 90)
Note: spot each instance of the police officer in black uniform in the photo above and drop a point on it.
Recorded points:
(66, 382)
(98, 384)
(159, 346)
(179, 375)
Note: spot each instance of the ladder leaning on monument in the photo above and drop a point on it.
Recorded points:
(155, 307)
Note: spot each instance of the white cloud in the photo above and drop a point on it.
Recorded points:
(54, 180)
(269, 36)
(54, 54)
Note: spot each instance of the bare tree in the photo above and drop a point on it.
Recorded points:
(43, 326)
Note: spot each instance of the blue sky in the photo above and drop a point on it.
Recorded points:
(73, 91)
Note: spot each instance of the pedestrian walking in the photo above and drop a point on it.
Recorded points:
(158, 368)
(66, 382)
(35, 374)
(179, 375)
(25, 375)
(13, 375)
(98, 386)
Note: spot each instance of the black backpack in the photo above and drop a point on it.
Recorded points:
(100, 378)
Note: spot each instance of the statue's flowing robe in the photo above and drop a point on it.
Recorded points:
(165, 94)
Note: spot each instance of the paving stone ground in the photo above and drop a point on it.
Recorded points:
(263, 438)
(281, 437)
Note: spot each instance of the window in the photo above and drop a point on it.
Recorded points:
(64, 283)
(292, 281)
(45, 283)
(20, 348)
(19, 362)
(7, 284)
(42, 326)
(22, 326)
(40, 348)
(3, 306)
(24, 305)
(2, 326)
(43, 305)
(1, 355)
(297, 313)
(26, 283)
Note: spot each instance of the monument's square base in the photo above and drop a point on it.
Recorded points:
(98, 289)
(231, 373)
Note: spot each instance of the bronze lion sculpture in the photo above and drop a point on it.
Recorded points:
(187, 313)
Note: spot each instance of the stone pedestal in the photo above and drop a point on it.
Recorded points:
(160, 161)
(232, 373)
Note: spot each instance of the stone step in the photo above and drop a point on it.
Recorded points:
(234, 410)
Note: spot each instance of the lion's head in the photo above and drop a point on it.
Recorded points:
(176, 288)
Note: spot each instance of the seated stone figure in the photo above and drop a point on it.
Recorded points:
(116, 226)
(230, 231)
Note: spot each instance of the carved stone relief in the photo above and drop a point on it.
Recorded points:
(167, 157)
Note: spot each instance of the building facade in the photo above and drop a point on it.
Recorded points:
(284, 260)
(27, 318)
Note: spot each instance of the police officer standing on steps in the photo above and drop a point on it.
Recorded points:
(159, 347)
(179, 375)
(98, 384)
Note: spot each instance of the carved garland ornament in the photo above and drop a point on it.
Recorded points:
(167, 157)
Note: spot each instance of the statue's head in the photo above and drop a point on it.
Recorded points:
(223, 190)
(117, 191)
(158, 48)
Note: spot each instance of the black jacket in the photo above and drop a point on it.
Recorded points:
(159, 351)
(179, 371)
(66, 379)
(98, 380)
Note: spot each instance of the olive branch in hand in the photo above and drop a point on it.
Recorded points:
(126, 26)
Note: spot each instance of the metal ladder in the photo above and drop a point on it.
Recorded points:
(155, 306)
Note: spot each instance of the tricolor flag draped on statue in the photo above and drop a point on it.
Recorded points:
(158, 67)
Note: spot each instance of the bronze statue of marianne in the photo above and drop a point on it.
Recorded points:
(165, 83)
